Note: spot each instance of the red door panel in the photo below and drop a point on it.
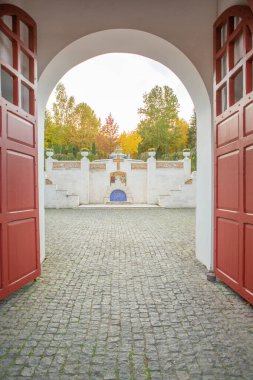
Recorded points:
(233, 107)
(249, 119)
(19, 218)
(20, 181)
(21, 248)
(248, 258)
(228, 130)
(20, 130)
(249, 180)
(228, 248)
(228, 181)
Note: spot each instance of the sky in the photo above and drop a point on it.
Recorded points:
(115, 83)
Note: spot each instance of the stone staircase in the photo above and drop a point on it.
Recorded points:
(57, 198)
(183, 197)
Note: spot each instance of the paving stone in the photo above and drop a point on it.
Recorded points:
(122, 294)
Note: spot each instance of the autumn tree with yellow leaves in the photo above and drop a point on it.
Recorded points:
(129, 143)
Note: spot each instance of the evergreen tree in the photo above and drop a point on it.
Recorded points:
(70, 148)
(94, 149)
(139, 150)
(192, 140)
(192, 132)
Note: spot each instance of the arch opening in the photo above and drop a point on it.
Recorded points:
(158, 49)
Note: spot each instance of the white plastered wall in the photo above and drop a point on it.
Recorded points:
(151, 46)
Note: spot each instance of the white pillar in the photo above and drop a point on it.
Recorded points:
(187, 167)
(85, 172)
(49, 166)
(151, 180)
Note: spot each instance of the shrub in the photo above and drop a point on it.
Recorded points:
(64, 157)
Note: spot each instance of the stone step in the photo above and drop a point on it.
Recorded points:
(57, 198)
(183, 197)
(118, 203)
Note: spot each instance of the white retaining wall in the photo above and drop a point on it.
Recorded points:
(145, 182)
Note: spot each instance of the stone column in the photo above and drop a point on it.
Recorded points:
(85, 173)
(187, 165)
(151, 179)
(49, 166)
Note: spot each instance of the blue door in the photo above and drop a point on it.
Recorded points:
(118, 196)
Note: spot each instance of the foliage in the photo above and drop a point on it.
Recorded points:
(192, 140)
(94, 148)
(64, 157)
(69, 125)
(93, 157)
(144, 156)
(192, 132)
(139, 150)
(70, 149)
(182, 128)
(86, 125)
(129, 143)
(63, 115)
(160, 125)
(51, 131)
(108, 134)
(159, 153)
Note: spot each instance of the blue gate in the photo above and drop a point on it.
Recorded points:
(118, 196)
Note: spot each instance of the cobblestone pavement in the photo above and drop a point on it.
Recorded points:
(122, 297)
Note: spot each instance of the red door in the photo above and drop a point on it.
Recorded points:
(233, 100)
(19, 222)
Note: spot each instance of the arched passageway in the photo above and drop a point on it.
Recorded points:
(152, 318)
(156, 48)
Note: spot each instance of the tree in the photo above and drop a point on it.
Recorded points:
(70, 125)
(139, 150)
(192, 140)
(179, 134)
(63, 106)
(51, 131)
(63, 115)
(129, 143)
(70, 148)
(192, 132)
(94, 148)
(86, 126)
(158, 117)
(107, 138)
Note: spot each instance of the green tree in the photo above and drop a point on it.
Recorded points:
(158, 118)
(192, 140)
(139, 150)
(57, 148)
(192, 132)
(51, 131)
(70, 149)
(63, 115)
(94, 148)
(86, 125)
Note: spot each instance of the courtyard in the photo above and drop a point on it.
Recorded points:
(122, 296)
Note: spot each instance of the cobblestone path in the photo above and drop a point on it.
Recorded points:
(122, 297)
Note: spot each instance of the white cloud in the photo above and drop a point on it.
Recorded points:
(116, 83)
